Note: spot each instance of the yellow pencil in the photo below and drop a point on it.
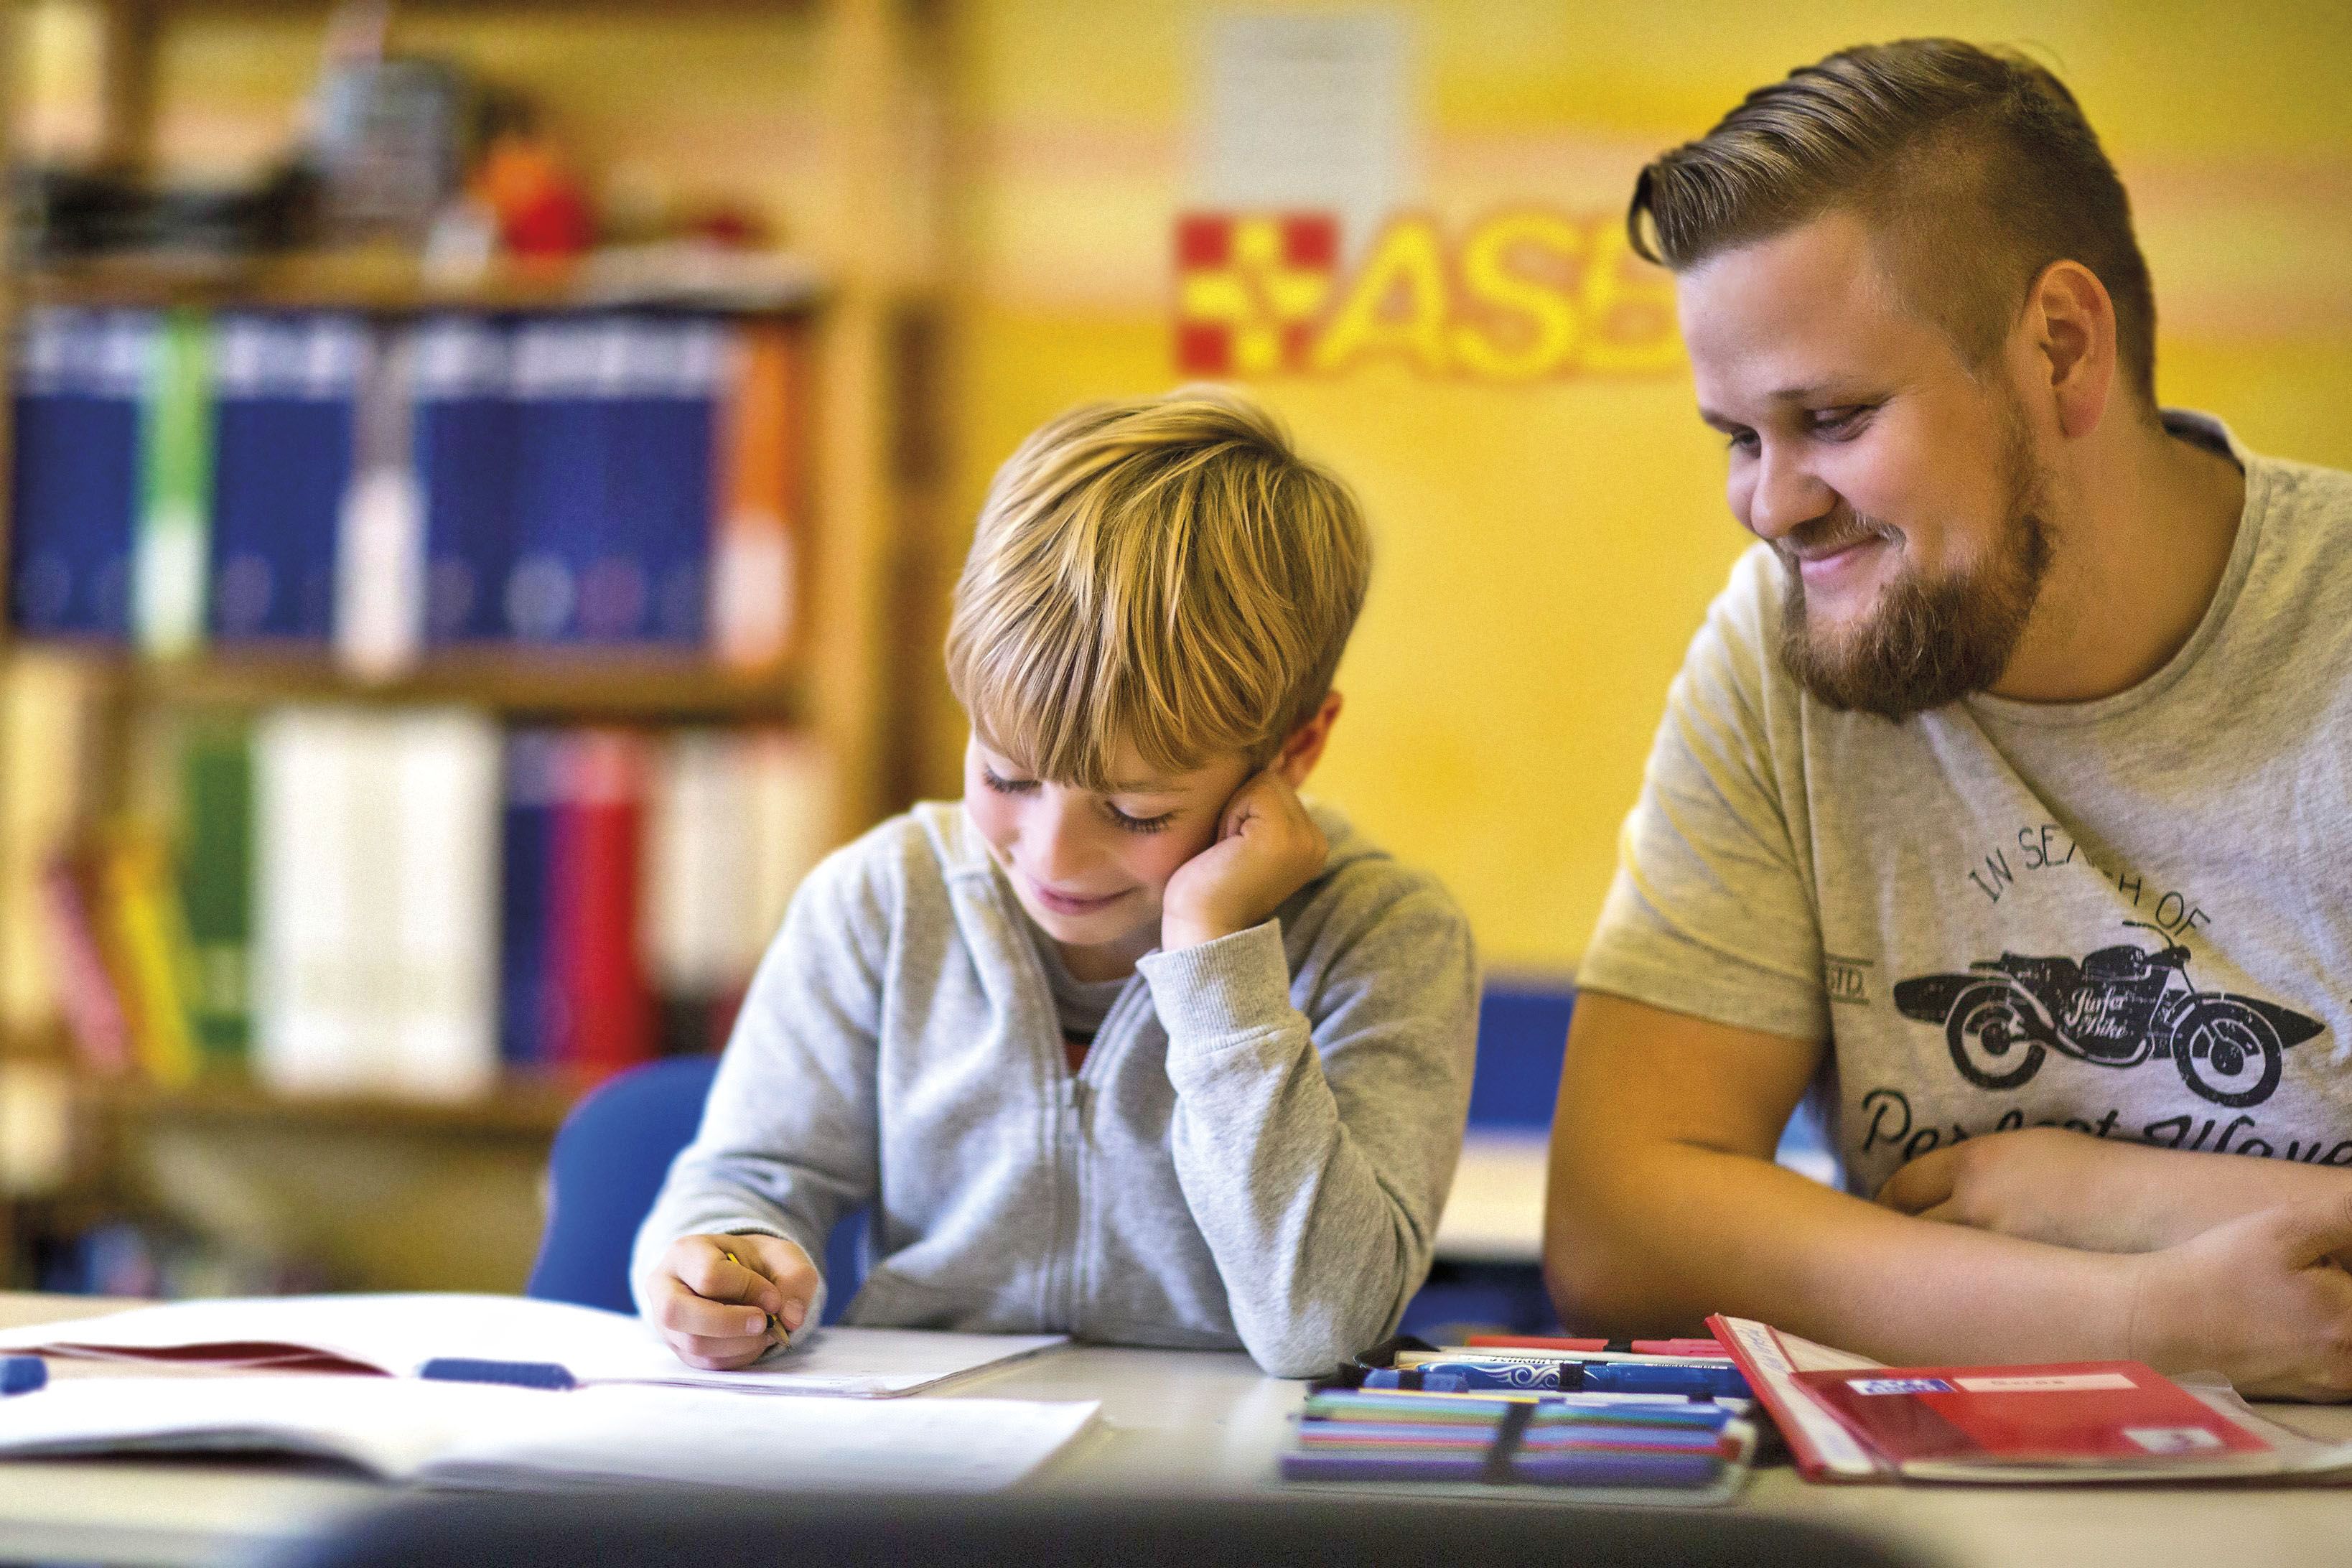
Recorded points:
(775, 1324)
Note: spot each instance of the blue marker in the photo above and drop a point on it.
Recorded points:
(1645, 1378)
(22, 1374)
(1420, 1378)
(1476, 1376)
(1569, 1377)
(517, 1373)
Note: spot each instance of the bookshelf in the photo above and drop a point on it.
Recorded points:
(859, 280)
(376, 282)
(526, 683)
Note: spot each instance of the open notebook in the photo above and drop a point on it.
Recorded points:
(480, 1435)
(399, 1333)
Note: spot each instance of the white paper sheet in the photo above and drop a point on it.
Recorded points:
(477, 1435)
(398, 1334)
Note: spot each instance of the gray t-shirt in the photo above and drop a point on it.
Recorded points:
(1945, 899)
(1079, 1005)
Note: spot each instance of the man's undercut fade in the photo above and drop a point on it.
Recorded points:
(1973, 168)
(1167, 574)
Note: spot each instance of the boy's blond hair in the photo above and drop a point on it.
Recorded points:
(1167, 573)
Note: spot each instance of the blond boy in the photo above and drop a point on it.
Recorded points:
(1132, 1044)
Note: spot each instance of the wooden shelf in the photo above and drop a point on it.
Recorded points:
(787, 8)
(581, 685)
(393, 283)
(530, 1107)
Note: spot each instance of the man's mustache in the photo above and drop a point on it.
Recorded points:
(1826, 535)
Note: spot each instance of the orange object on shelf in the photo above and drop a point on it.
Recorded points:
(541, 206)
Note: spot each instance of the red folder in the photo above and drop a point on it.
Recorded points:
(1847, 1418)
(604, 1007)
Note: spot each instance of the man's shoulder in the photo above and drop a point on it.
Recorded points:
(2294, 599)
(1739, 638)
(1732, 694)
(2309, 507)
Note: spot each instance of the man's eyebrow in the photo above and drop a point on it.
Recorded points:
(1805, 393)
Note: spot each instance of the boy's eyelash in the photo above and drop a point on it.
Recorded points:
(1002, 785)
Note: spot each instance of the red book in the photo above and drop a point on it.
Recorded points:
(605, 1014)
(1847, 1418)
(1930, 1419)
(93, 1009)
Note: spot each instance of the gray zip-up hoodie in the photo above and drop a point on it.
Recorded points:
(1253, 1153)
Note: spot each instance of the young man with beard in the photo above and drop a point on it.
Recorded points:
(2004, 800)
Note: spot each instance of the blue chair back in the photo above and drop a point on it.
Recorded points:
(1522, 1035)
(608, 1162)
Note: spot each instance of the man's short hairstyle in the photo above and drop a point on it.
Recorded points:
(1166, 573)
(1974, 169)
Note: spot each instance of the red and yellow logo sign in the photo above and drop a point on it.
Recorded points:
(1250, 290)
(1526, 295)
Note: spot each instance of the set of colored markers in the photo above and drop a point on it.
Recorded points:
(1667, 1416)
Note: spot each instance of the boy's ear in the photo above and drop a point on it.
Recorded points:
(1304, 749)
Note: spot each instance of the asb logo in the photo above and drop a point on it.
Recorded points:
(1250, 290)
(1527, 295)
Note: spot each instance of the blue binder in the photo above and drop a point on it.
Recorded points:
(663, 480)
(75, 491)
(567, 371)
(285, 409)
(616, 416)
(463, 435)
(534, 788)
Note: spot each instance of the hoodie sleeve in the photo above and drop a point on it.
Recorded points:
(786, 1145)
(1315, 1149)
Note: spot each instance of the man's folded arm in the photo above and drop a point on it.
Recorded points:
(2101, 1194)
(1664, 1206)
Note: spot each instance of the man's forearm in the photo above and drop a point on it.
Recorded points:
(2072, 1189)
(2173, 1195)
(1664, 1234)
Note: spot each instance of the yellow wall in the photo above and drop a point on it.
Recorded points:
(1546, 552)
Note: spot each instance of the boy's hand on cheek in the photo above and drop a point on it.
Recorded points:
(1266, 848)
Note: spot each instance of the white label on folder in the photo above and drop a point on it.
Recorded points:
(1900, 1386)
(2174, 1439)
(2045, 1382)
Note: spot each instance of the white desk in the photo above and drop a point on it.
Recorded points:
(1199, 1424)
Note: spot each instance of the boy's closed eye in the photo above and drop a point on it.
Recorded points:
(1134, 822)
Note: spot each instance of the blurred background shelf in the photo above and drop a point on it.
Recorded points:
(380, 282)
(812, 221)
(585, 684)
(520, 1106)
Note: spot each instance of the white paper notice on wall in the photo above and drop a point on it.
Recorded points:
(1309, 111)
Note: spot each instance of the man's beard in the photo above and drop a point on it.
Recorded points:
(1928, 641)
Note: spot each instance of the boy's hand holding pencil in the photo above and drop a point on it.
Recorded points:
(722, 1301)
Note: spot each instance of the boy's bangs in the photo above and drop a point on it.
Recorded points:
(1050, 707)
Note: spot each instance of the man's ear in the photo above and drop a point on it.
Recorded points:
(1304, 749)
(2072, 322)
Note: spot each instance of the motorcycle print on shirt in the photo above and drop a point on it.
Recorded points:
(2119, 1007)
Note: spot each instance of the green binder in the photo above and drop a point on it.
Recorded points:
(170, 559)
(216, 886)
